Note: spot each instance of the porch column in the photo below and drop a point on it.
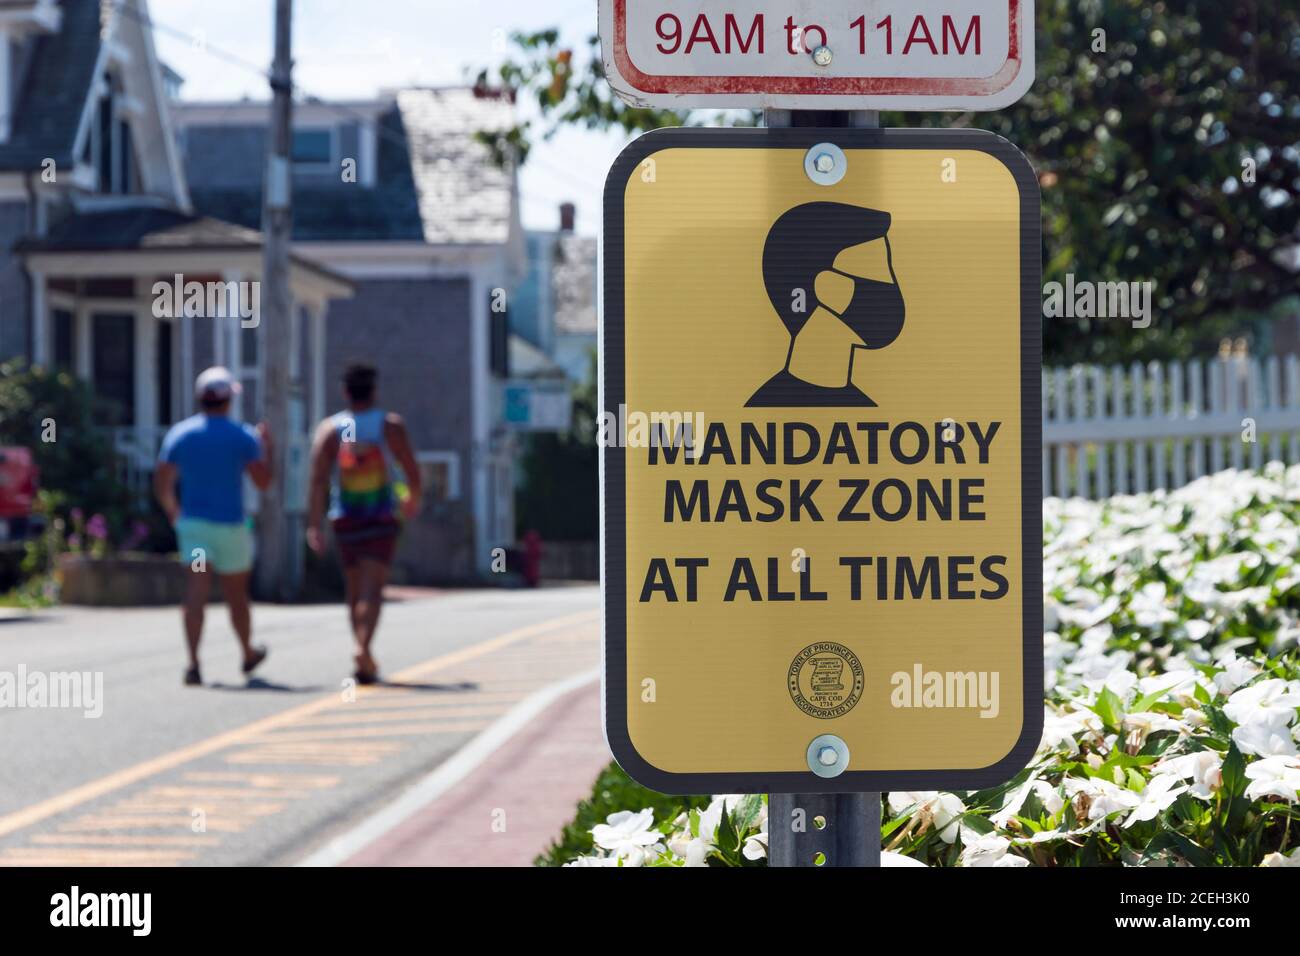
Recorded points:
(146, 365)
(185, 387)
(40, 344)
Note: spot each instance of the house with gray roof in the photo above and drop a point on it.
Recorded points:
(406, 246)
(401, 195)
(98, 230)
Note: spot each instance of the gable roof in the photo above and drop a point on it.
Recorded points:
(464, 196)
(435, 182)
(49, 105)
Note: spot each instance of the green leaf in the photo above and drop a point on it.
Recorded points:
(1109, 708)
(1234, 774)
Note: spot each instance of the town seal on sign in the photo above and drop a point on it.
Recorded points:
(825, 680)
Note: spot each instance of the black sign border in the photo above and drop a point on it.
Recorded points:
(613, 465)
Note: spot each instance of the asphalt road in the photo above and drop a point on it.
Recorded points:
(267, 770)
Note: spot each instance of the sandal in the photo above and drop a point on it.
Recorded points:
(192, 678)
(259, 655)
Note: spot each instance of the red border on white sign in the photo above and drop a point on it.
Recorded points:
(1011, 81)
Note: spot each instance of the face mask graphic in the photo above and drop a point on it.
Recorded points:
(828, 270)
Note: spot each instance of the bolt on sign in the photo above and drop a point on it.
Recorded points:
(819, 54)
(821, 443)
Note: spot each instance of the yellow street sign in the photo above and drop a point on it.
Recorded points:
(821, 429)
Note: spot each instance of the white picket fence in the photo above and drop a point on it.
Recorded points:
(1118, 430)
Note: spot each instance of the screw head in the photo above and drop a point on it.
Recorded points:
(824, 162)
(822, 56)
(827, 757)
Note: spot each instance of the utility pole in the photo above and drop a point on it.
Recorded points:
(278, 558)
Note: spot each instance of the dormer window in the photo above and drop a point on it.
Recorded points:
(313, 148)
(109, 151)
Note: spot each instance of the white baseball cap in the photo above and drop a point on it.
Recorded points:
(216, 383)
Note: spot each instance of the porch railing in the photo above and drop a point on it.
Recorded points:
(137, 452)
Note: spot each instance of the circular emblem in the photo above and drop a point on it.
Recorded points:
(825, 680)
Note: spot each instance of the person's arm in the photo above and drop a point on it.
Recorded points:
(259, 468)
(324, 451)
(164, 489)
(400, 443)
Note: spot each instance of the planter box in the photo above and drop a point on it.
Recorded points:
(130, 580)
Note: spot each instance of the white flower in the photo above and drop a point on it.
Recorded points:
(628, 835)
(1204, 768)
(941, 809)
(585, 861)
(1274, 777)
(888, 858)
(1158, 795)
(1237, 671)
(755, 847)
(1265, 739)
(1103, 797)
(695, 850)
(990, 850)
(1282, 859)
(1269, 700)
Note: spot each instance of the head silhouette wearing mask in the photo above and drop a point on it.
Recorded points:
(828, 271)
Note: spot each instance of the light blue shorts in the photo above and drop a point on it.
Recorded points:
(216, 546)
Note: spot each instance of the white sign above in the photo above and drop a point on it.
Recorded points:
(819, 54)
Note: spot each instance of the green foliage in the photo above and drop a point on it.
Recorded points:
(560, 497)
(1139, 148)
(79, 464)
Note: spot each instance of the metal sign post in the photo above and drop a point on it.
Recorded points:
(820, 424)
(823, 829)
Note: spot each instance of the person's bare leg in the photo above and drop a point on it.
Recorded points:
(198, 585)
(351, 590)
(370, 601)
(234, 588)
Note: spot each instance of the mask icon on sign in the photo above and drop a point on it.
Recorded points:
(829, 273)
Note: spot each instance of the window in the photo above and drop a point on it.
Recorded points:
(312, 147)
(163, 358)
(440, 475)
(113, 366)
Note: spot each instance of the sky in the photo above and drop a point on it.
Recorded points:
(351, 49)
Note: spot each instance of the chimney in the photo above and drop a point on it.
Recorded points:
(568, 215)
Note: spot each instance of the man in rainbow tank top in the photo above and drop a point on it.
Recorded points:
(353, 447)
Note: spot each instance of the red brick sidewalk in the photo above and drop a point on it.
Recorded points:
(510, 807)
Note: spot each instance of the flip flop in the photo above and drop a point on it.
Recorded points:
(259, 655)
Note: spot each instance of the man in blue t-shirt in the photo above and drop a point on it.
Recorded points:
(209, 454)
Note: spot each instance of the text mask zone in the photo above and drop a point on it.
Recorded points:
(959, 577)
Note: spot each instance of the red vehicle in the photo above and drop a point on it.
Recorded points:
(18, 484)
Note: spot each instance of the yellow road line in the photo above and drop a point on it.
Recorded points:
(121, 778)
(272, 781)
(118, 839)
(385, 730)
(395, 715)
(70, 858)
